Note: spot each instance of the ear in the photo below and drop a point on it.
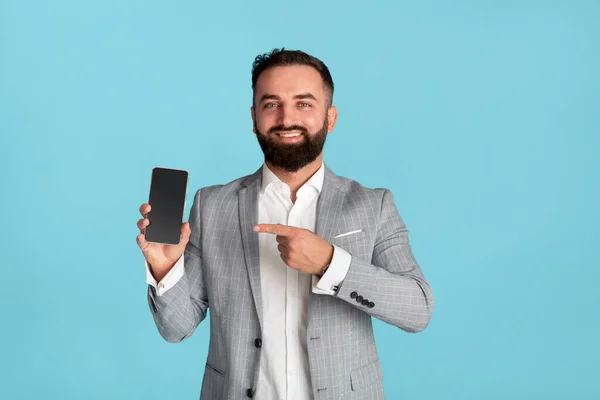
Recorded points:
(253, 115)
(332, 118)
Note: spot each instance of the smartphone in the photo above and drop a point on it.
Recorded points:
(168, 190)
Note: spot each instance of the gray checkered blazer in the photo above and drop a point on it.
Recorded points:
(222, 273)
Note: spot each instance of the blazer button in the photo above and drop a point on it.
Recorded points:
(371, 305)
(258, 342)
(359, 299)
(365, 302)
(250, 393)
(353, 295)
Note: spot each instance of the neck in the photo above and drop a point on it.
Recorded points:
(295, 180)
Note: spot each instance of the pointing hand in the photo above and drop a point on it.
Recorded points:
(300, 248)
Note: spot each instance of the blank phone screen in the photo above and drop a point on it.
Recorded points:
(168, 189)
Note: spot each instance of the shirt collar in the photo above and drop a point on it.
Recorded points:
(316, 180)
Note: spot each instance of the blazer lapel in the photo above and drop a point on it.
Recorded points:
(329, 206)
(248, 212)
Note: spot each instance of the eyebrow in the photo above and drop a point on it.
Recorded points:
(298, 96)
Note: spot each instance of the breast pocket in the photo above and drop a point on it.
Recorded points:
(356, 243)
(349, 236)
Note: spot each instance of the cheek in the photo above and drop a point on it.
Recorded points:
(313, 122)
(264, 122)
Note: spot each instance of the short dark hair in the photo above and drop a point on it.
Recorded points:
(283, 57)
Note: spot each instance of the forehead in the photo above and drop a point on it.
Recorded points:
(289, 81)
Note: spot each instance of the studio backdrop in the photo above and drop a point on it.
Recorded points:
(482, 118)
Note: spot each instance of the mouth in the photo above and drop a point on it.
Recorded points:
(289, 137)
(288, 134)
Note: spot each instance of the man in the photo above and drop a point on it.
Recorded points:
(293, 261)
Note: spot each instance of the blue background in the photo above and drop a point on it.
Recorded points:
(482, 118)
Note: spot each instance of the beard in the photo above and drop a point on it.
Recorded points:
(292, 156)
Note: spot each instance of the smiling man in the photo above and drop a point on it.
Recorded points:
(293, 261)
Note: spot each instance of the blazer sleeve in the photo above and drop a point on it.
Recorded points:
(392, 288)
(178, 311)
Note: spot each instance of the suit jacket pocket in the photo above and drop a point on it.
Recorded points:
(213, 383)
(366, 375)
(214, 369)
(349, 237)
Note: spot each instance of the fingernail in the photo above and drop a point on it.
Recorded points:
(256, 228)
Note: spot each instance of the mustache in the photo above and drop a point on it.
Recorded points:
(282, 128)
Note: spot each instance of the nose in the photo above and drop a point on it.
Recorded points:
(287, 116)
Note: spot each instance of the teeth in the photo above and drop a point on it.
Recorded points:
(288, 134)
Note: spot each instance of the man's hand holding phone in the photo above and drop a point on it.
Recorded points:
(161, 257)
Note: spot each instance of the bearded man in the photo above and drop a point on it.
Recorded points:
(293, 261)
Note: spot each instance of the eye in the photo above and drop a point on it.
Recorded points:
(304, 105)
(271, 105)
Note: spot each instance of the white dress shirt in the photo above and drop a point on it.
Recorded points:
(284, 372)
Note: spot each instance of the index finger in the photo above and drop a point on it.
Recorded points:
(145, 209)
(276, 229)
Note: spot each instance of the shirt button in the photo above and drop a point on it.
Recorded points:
(258, 343)
(250, 393)
(365, 302)
(353, 295)
(371, 305)
(359, 299)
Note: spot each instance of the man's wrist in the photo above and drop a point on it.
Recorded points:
(160, 273)
(323, 270)
(330, 258)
